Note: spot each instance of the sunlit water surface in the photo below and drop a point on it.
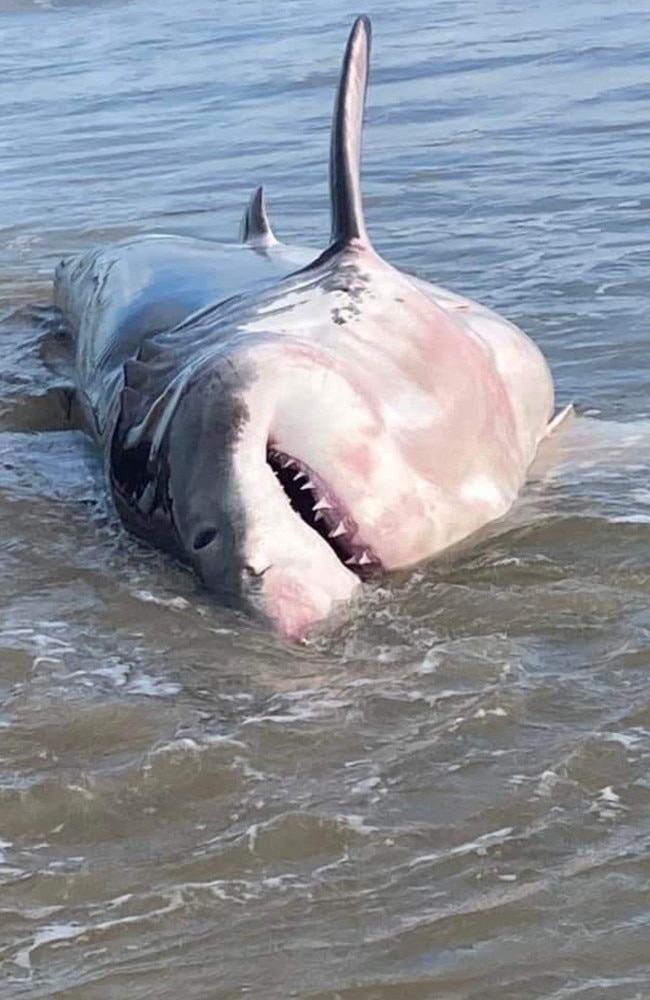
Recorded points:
(447, 795)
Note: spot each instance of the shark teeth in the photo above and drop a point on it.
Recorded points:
(314, 502)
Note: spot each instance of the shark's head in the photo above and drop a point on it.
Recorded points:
(249, 468)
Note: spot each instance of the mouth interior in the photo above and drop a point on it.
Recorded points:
(316, 504)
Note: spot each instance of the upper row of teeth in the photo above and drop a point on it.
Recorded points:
(318, 508)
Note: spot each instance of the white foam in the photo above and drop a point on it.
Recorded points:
(49, 934)
(356, 823)
(608, 794)
(174, 603)
(628, 740)
(547, 782)
(153, 687)
(480, 846)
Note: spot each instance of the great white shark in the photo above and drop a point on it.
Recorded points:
(291, 423)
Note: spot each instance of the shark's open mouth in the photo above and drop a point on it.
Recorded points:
(317, 505)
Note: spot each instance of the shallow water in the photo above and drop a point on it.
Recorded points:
(446, 795)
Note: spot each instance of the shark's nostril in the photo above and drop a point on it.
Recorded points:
(255, 574)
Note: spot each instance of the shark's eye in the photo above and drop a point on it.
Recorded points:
(203, 538)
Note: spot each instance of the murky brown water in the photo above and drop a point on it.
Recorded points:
(447, 795)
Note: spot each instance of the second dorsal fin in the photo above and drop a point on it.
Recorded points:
(345, 150)
(255, 227)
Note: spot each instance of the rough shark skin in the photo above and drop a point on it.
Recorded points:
(290, 432)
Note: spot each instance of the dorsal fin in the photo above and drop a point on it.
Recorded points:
(255, 227)
(345, 150)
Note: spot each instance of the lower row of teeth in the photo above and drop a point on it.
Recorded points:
(355, 560)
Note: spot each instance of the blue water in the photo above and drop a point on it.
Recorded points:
(448, 796)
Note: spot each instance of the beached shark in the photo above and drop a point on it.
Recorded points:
(290, 422)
